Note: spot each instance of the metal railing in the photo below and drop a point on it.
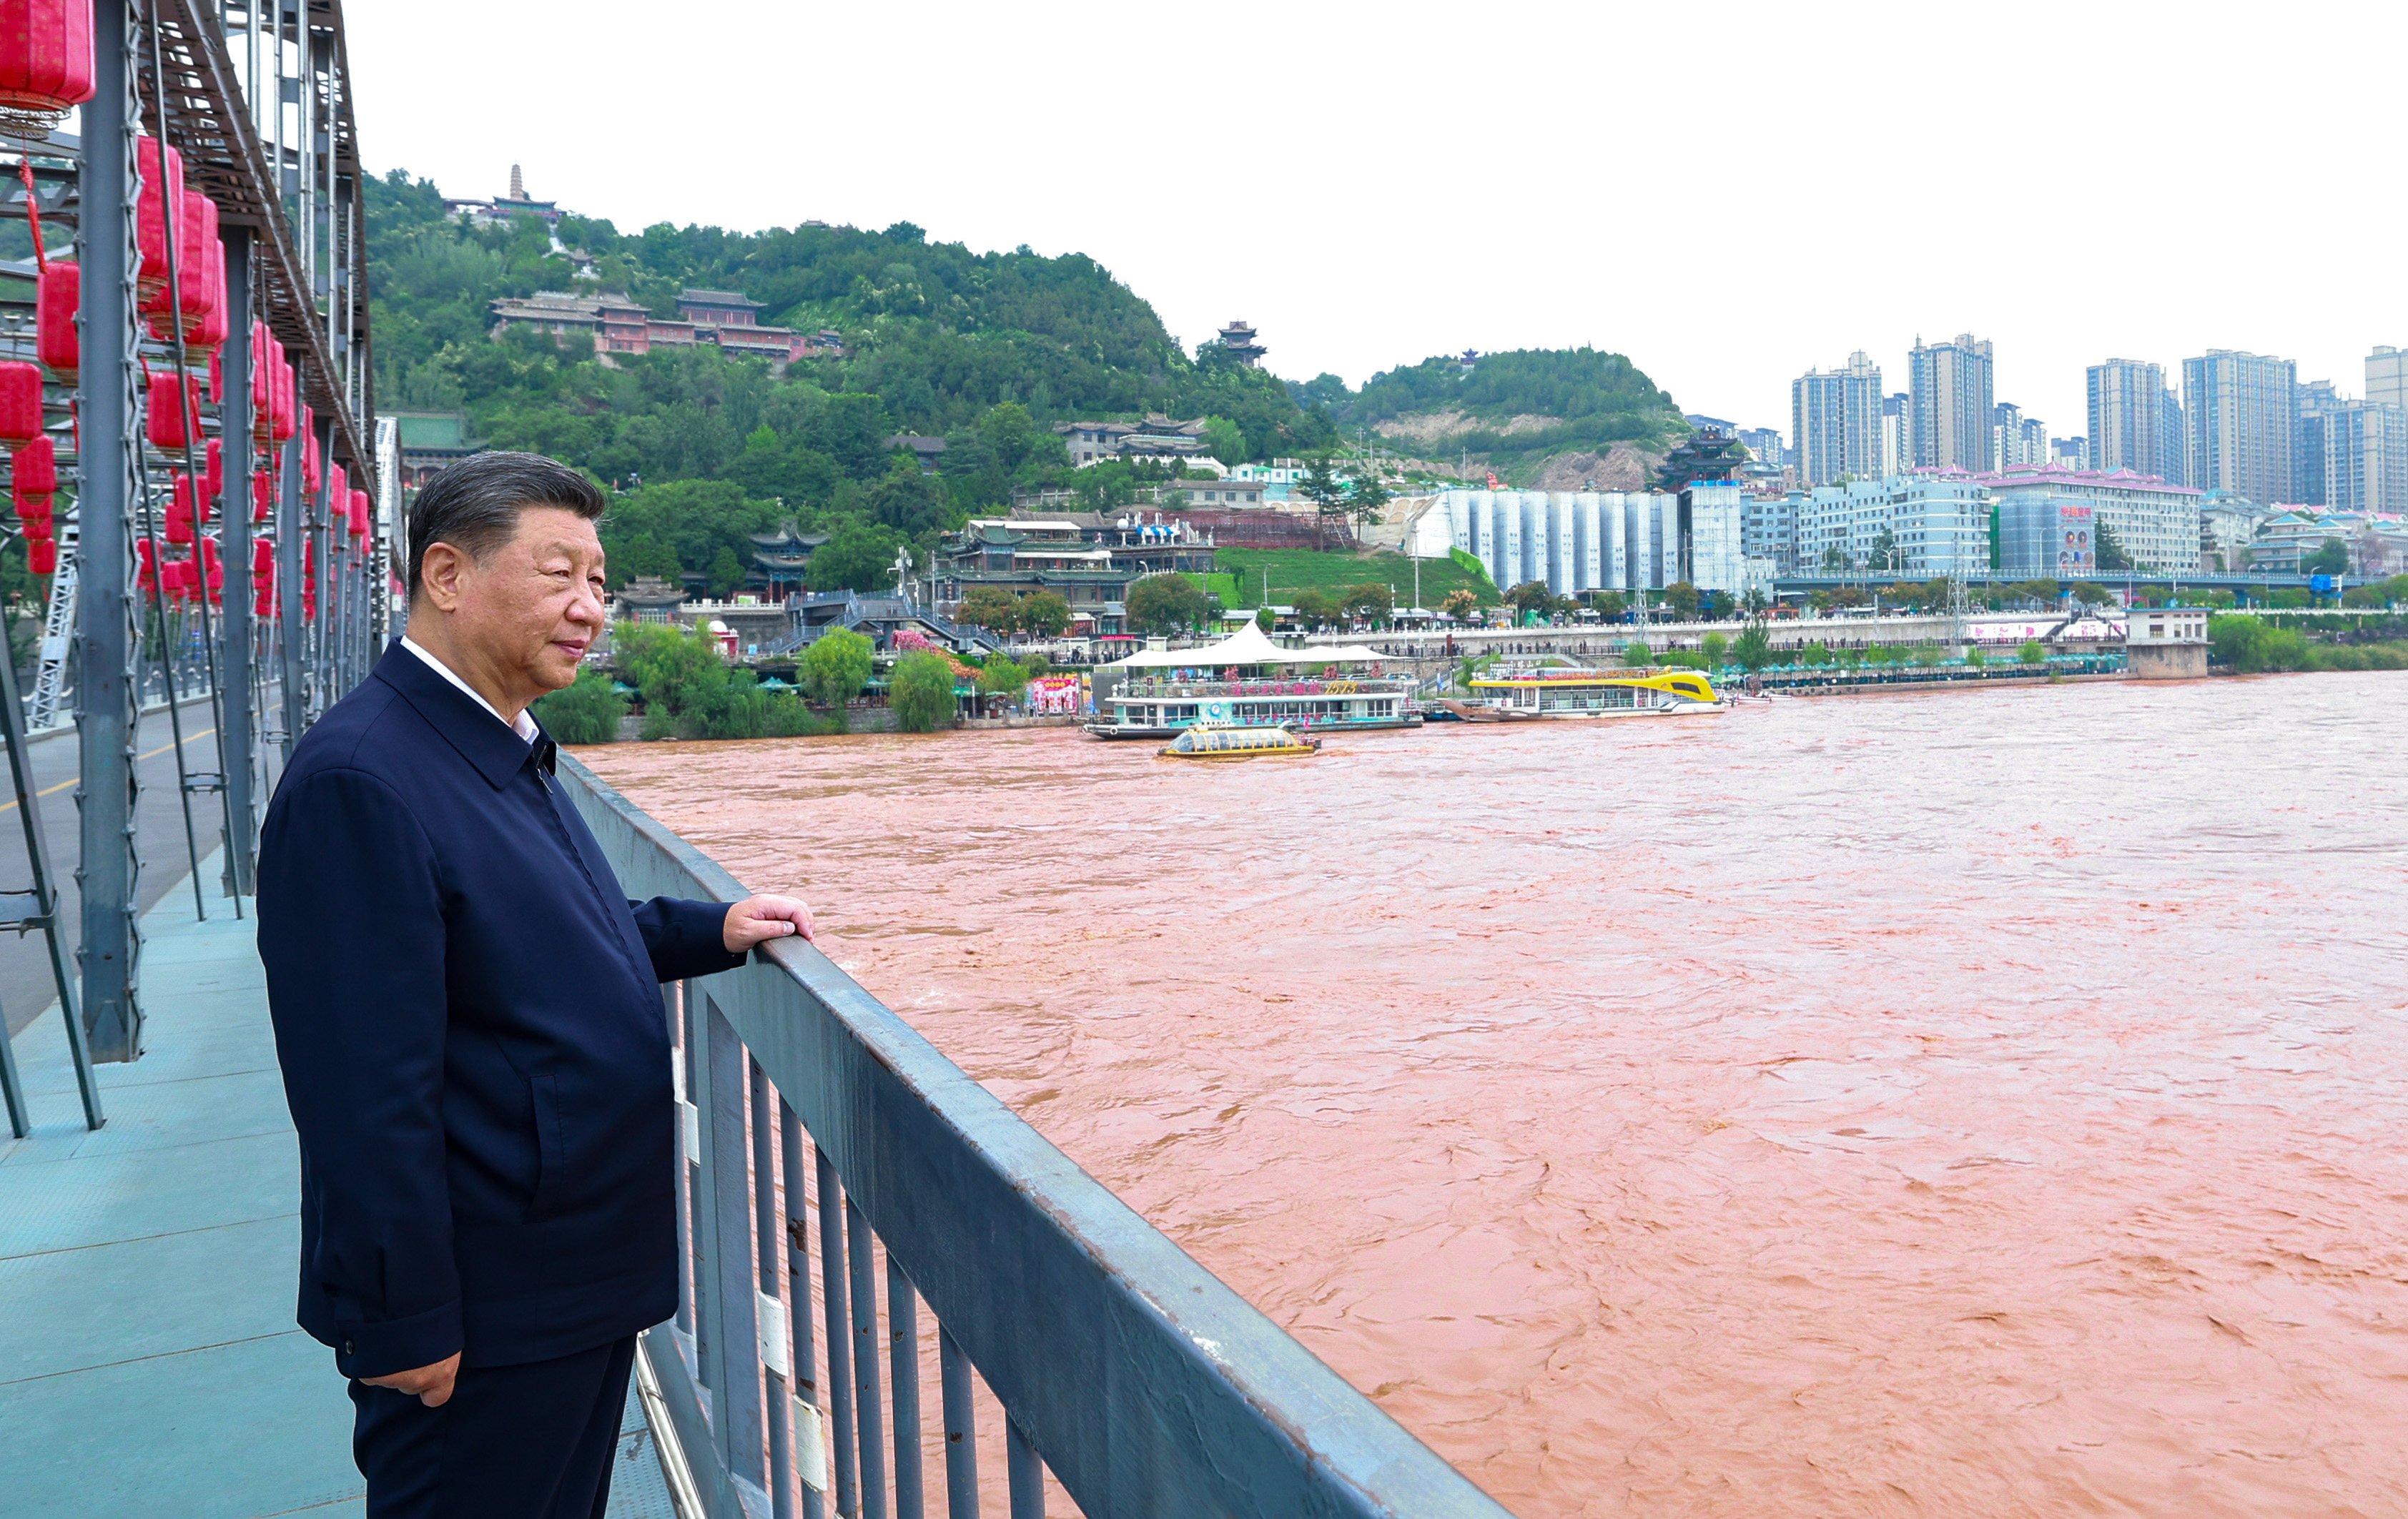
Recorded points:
(1144, 1384)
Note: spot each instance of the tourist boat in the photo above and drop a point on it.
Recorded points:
(1572, 691)
(1248, 682)
(1203, 743)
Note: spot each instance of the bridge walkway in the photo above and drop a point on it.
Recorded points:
(149, 1361)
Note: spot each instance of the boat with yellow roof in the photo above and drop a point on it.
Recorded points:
(1207, 742)
(1577, 691)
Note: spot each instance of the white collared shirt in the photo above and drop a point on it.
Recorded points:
(525, 727)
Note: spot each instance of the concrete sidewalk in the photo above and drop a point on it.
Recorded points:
(149, 1361)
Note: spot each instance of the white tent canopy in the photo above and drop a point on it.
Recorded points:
(1249, 645)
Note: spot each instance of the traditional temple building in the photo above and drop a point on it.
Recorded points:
(1238, 339)
(779, 558)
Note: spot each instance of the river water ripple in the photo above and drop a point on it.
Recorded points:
(1968, 1103)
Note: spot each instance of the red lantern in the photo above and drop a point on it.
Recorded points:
(217, 377)
(46, 63)
(179, 510)
(263, 497)
(216, 324)
(56, 342)
(360, 514)
(197, 273)
(213, 471)
(21, 404)
(262, 556)
(175, 419)
(146, 565)
(38, 467)
(287, 395)
(42, 556)
(33, 510)
(312, 462)
(150, 211)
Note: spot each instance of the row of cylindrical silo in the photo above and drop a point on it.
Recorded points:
(1572, 540)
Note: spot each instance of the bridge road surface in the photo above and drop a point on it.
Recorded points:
(26, 989)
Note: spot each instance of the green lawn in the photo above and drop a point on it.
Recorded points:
(1301, 569)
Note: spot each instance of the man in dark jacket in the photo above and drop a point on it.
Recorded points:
(469, 1016)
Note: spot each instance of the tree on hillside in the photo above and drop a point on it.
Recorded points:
(1226, 440)
(1460, 605)
(858, 556)
(1683, 598)
(1368, 498)
(2330, 558)
(1164, 604)
(1610, 605)
(1321, 487)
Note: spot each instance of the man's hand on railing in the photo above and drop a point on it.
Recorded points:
(430, 1384)
(756, 920)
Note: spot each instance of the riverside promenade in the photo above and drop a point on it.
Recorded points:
(149, 1361)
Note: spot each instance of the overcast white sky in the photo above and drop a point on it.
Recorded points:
(1727, 193)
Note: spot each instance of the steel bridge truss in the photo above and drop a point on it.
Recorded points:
(257, 99)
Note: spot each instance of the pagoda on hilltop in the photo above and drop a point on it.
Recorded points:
(1238, 338)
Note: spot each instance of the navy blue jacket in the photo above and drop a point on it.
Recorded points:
(469, 1016)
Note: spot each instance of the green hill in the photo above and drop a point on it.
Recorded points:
(1508, 409)
(984, 350)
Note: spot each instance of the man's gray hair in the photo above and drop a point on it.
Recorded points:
(474, 505)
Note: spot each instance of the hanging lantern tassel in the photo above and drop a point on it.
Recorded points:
(42, 556)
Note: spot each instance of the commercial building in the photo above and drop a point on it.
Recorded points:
(2041, 534)
(1835, 422)
(1951, 387)
(2241, 414)
(1921, 526)
(2135, 422)
(2156, 524)
(1768, 529)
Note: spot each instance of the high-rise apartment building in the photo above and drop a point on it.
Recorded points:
(1835, 422)
(1951, 384)
(1897, 434)
(2135, 422)
(2363, 446)
(2242, 411)
(2015, 438)
(2316, 400)
(2387, 376)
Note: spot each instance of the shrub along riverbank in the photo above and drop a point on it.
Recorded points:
(2254, 645)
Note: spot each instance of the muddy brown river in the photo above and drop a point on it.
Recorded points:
(1967, 1103)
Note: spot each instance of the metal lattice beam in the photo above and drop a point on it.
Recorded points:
(212, 126)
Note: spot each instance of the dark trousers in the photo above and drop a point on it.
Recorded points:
(531, 1441)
